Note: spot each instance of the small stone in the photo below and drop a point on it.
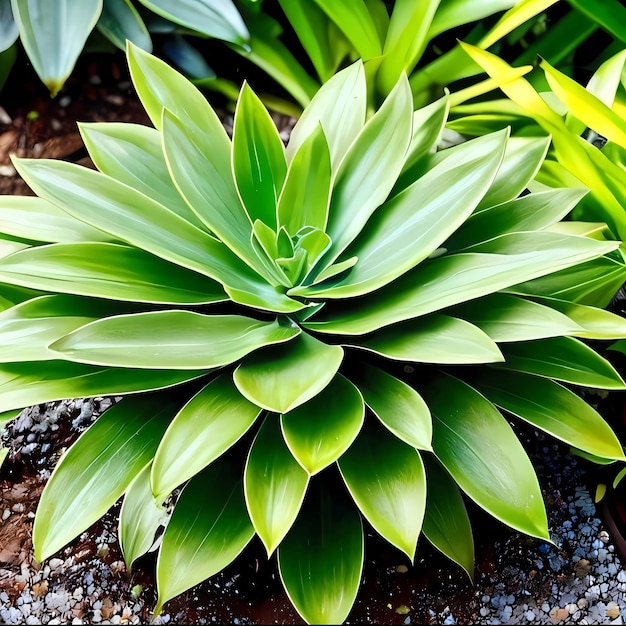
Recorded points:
(102, 551)
(55, 563)
(529, 615)
(40, 589)
(6, 514)
(621, 576)
(571, 608)
(582, 603)
(403, 609)
(558, 615)
(484, 611)
(612, 610)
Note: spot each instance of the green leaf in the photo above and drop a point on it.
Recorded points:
(339, 106)
(357, 25)
(53, 33)
(28, 217)
(508, 318)
(258, 158)
(121, 21)
(274, 485)
(453, 13)
(280, 378)
(483, 455)
(446, 522)
(133, 155)
(435, 339)
(213, 18)
(27, 384)
(596, 323)
(534, 211)
(562, 358)
(210, 423)
(457, 278)
(553, 408)
(385, 476)
(9, 31)
(105, 270)
(610, 14)
(305, 196)
(170, 340)
(370, 168)
(399, 407)
(140, 517)
(321, 430)
(523, 157)
(408, 228)
(98, 469)
(321, 559)
(209, 528)
(3, 455)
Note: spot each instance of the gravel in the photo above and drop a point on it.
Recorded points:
(578, 579)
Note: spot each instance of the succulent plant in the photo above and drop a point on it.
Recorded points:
(305, 337)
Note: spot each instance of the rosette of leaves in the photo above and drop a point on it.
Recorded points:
(307, 338)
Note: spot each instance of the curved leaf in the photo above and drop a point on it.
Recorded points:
(121, 21)
(321, 430)
(446, 523)
(321, 559)
(435, 339)
(385, 476)
(210, 423)
(9, 31)
(53, 33)
(213, 18)
(170, 340)
(98, 469)
(483, 455)
(209, 528)
(258, 156)
(553, 408)
(562, 358)
(399, 407)
(27, 384)
(104, 270)
(280, 378)
(140, 517)
(274, 485)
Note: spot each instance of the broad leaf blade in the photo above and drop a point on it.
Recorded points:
(399, 407)
(385, 476)
(53, 33)
(121, 21)
(97, 469)
(170, 340)
(140, 517)
(280, 378)
(483, 455)
(210, 423)
(321, 559)
(274, 485)
(553, 408)
(209, 528)
(321, 430)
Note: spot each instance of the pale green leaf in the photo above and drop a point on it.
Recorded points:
(408, 228)
(98, 469)
(28, 217)
(213, 18)
(121, 21)
(553, 408)
(53, 33)
(508, 318)
(399, 407)
(446, 522)
(280, 378)
(305, 195)
(274, 485)
(27, 384)
(258, 158)
(385, 476)
(104, 270)
(8, 28)
(458, 278)
(483, 455)
(140, 517)
(453, 13)
(339, 106)
(562, 358)
(321, 430)
(607, 78)
(209, 528)
(321, 559)
(435, 339)
(3, 455)
(170, 340)
(210, 423)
